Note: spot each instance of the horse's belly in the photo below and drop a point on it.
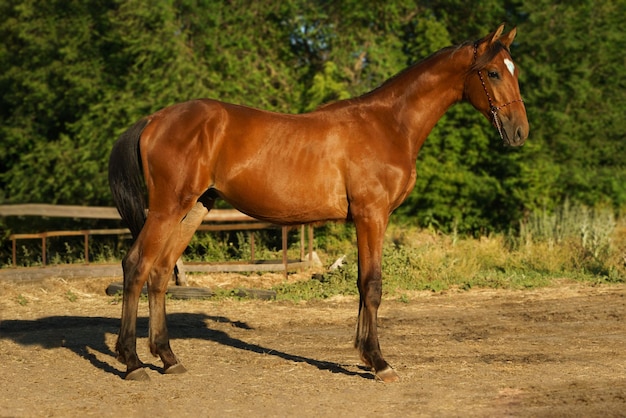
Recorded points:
(286, 200)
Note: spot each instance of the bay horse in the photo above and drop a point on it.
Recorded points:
(352, 160)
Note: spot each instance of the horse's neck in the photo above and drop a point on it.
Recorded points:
(419, 96)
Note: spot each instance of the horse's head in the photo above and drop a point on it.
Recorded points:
(491, 87)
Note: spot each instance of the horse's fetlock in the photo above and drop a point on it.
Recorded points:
(154, 350)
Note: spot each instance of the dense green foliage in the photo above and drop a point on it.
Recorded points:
(75, 74)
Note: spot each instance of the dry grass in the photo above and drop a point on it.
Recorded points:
(585, 245)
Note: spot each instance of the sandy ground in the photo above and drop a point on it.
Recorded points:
(558, 351)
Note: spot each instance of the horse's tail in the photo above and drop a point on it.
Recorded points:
(126, 178)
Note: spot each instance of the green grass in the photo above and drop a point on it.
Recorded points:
(575, 244)
(71, 296)
(22, 300)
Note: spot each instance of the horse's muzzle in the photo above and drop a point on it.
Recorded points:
(514, 134)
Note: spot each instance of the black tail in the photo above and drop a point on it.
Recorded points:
(126, 178)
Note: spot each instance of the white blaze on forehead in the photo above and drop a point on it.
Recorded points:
(509, 64)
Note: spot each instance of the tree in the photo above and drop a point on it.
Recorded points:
(575, 83)
(51, 75)
(76, 74)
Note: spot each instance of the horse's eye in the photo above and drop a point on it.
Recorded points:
(493, 74)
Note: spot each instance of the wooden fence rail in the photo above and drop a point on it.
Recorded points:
(216, 220)
(104, 212)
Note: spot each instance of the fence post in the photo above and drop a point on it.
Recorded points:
(43, 249)
(301, 242)
(252, 246)
(310, 244)
(86, 246)
(13, 239)
(285, 261)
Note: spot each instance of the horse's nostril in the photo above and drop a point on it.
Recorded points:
(520, 135)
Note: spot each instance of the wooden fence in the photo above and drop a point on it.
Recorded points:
(216, 220)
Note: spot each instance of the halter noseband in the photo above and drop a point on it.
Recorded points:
(493, 108)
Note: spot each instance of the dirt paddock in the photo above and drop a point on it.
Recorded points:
(559, 351)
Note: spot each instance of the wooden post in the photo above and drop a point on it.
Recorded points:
(252, 246)
(86, 246)
(14, 252)
(43, 250)
(310, 244)
(285, 261)
(301, 242)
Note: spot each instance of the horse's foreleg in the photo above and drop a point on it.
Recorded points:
(370, 234)
(157, 287)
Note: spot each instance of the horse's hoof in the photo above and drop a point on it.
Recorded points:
(177, 368)
(138, 375)
(387, 375)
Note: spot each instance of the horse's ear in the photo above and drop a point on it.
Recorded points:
(507, 39)
(493, 36)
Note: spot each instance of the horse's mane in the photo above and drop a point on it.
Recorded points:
(408, 69)
(479, 63)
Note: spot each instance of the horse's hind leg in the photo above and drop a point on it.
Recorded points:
(127, 339)
(157, 287)
(138, 267)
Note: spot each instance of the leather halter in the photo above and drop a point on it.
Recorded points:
(493, 108)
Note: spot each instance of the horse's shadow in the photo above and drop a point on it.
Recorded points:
(83, 335)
